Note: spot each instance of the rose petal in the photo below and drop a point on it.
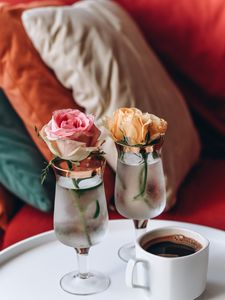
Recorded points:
(65, 123)
(51, 144)
(78, 154)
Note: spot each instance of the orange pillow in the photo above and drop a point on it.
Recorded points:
(29, 84)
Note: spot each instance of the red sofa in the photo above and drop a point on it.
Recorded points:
(187, 37)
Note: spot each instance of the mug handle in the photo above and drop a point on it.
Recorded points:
(129, 275)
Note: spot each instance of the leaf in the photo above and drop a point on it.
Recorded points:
(44, 172)
(69, 164)
(97, 211)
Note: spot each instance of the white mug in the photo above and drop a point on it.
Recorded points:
(169, 278)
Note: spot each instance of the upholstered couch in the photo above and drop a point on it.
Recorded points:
(187, 36)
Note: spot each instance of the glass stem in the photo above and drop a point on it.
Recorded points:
(82, 258)
(140, 227)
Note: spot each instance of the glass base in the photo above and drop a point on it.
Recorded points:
(127, 251)
(95, 283)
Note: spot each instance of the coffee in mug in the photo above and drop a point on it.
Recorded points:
(175, 245)
(171, 264)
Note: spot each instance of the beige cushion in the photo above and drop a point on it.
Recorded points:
(96, 50)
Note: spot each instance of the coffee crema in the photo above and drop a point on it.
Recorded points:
(175, 245)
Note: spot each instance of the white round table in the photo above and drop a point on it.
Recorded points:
(31, 269)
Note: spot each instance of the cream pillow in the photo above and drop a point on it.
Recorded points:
(96, 50)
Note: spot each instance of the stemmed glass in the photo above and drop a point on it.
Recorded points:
(81, 220)
(140, 192)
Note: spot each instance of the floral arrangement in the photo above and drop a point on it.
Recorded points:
(131, 127)
(71, 135)
(73, 138)
(138, 133)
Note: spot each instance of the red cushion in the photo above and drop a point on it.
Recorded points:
(189, 35)
(201, 199)
(27, 222)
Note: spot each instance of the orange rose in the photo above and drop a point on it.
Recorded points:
(131, 126)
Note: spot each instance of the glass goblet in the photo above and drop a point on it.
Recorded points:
(140, 192)
(81, 220)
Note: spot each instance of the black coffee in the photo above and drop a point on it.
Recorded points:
(172, 246)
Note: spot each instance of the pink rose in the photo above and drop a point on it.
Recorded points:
(71, 134)
(72, 124)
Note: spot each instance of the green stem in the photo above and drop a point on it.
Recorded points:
(82, 217)
(77, 195)
(143, 178)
